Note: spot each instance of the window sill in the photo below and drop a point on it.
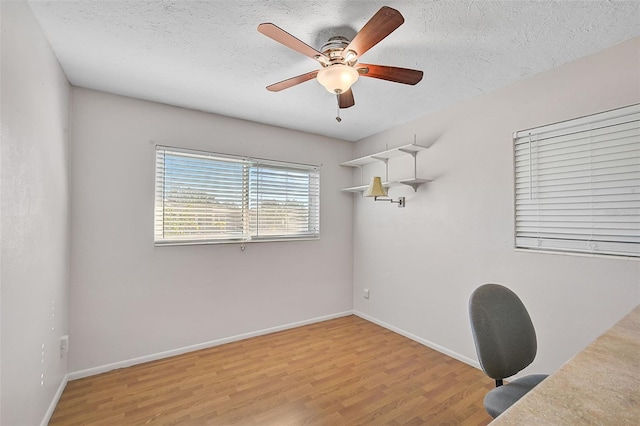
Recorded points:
(256, 240)
(567, 253)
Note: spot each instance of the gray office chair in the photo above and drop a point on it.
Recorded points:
(505, 343)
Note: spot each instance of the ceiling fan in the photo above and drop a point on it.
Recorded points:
(339, 57)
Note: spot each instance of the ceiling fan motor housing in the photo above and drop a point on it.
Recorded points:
(334, 49)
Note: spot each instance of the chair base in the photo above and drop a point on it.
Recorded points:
(499, 399)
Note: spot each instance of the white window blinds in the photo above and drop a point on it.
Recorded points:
(577, 185)
(283, 201)
(211, 198)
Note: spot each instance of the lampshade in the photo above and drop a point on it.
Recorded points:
(375, 188)
(337, 78)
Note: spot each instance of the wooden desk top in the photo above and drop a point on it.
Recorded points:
(598, 386)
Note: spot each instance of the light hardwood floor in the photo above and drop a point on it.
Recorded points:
(345, 371)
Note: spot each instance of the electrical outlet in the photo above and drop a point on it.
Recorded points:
(64, 345)
(365, 293)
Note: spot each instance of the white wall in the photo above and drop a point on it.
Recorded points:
(34, 218)
(422, 262)
(130, 299)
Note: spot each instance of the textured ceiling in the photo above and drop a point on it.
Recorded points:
(208, 55)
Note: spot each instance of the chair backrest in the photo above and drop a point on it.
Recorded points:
(502, 330)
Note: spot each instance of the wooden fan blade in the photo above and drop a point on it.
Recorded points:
(395, 74)
(283, 37)
(285, 84)
(383, 23)
(345, 100)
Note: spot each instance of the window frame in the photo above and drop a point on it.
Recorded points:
(252, 167)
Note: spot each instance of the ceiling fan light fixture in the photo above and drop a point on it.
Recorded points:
(337, 78)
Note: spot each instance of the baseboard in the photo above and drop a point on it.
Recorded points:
(54, 401)
(420, 340)
(179, 351)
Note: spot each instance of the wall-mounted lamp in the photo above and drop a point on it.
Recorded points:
(376, 190)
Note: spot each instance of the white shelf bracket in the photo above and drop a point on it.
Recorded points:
(385, 160)
(415, 183)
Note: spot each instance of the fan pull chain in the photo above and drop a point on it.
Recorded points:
(338, 119)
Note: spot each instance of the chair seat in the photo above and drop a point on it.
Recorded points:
(499, 399)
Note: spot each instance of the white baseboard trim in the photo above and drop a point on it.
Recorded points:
(179, 351)
(54, 401)
(420, 340)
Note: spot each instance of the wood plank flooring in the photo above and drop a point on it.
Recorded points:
(345, 371)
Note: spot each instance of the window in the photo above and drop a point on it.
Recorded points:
(211, 198)
(577, 185)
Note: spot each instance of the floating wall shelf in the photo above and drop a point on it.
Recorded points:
(384, 156)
